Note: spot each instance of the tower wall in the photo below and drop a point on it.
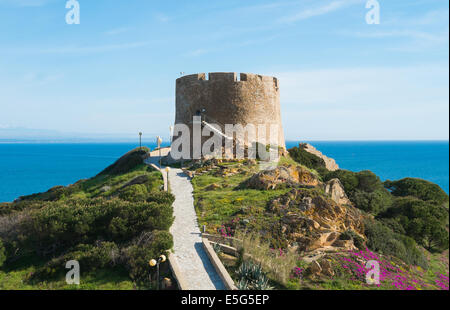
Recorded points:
(222, 99)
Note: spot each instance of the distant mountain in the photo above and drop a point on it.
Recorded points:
(22, 135)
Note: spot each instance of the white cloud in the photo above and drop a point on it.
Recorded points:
(162, 18)
(317, 11)
(25, 3)
(75, 49)
(117, 31)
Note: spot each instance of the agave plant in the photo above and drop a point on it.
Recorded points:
(242, 285)
(217, 248)
(252, 277)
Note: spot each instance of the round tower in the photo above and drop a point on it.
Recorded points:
(222, 98)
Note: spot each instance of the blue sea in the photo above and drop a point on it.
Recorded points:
(30, 168)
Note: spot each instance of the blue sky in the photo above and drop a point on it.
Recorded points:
(341, 79)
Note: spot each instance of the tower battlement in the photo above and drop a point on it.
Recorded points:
(228, 77)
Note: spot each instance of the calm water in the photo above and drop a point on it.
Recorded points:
(31, 168)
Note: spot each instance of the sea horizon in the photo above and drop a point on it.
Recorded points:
(29, 168)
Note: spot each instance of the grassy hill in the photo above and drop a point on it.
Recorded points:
(113, 224)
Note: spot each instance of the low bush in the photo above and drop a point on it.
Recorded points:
(364, 189)
(161, 198)
(63, 225)
(373, 202)
(144, 248)
(358, 241)
(306, 159)
(90, 257)
(2, 253)
(127, 162)
(382, 239)
(348, 179)
(418, 188)
(135, 193)
(424, 221)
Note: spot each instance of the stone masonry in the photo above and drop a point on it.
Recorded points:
(222, 99)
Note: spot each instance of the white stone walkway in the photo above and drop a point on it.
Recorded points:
(193, 262)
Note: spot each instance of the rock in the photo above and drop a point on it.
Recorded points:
(189, 173)
(314, 220)
(212, 187)
(282, 176)
(105, 189)
(142, 179)
(330, 163)
(323, 239)
(315, 269)
(327, 268)
(345, 245)
(320, 266)
(335, 189)
(305, 204)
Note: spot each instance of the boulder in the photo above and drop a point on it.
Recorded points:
(335, 189)
(212, 187)
(320, 267)
(313, 220)
(282, 176)
(142, 179)
(105, 189)
(330, 163)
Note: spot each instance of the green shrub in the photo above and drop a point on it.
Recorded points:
(59, 226)
(306, 159)
(2, 253)
(424, 221)
(91, 258)
(358, 241)
(383, 240)
(371, 202)
(161, 198)
(135, 193)
(419, 188)
(348, 179)
(368, 181)
(127, 162)
(364, 189)
(144, 248)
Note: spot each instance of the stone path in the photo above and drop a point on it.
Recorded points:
(194, 264)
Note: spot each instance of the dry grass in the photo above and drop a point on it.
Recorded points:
(276, 263)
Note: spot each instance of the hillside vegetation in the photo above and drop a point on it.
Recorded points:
(331, 222)
(112, 224)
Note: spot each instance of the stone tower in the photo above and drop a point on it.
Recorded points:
(222, 98)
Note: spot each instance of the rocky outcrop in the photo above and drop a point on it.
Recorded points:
(330, 163)
(312, 220)
(335, 189)
(282, 176)
(321, 267)
(141, 179)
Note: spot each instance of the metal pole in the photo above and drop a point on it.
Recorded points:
(157, 275)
